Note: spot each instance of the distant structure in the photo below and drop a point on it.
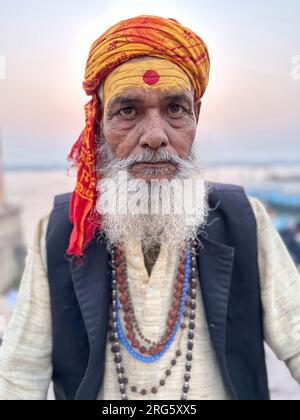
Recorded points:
(1, 176)
(12, 250)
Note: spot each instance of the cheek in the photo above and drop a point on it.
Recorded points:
(182, 140)
(123, 141)
(119, 140)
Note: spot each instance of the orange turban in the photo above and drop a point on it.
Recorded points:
(140, 36)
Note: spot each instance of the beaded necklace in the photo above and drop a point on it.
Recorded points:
(186, 282)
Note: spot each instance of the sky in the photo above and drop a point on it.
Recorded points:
(250, 112)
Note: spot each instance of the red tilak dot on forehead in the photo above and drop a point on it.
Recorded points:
(151, 77)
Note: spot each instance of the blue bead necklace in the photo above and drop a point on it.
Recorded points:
(156, 357)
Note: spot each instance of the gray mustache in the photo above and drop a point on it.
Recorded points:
(150, 156)
(109, 163)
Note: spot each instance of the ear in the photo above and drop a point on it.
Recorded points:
(197, 108)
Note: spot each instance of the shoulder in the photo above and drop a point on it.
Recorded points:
(219, 187)
(260, 211)
(60, 207)
(227, 198)
(62, 199)
(59, 218)
(40, 234)
(59, 228)
(266, 229)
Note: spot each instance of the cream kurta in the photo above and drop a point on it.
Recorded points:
(25, 356)
(151, 300)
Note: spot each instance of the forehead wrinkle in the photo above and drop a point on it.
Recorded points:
(143, 75)
(125, 82)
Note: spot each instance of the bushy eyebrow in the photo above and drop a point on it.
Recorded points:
(123, 101)
(129, 101)
(179, 97)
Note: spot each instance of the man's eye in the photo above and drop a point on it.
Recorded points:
(127, 112)
(176, 109)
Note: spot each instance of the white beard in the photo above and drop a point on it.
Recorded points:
(163, 212)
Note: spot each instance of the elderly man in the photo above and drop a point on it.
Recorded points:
(149, 282)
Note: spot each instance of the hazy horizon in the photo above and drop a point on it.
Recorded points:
(250, 112)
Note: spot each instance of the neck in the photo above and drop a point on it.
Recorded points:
(150, 256)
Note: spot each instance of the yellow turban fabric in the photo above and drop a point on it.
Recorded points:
(148, 73)
(150, 36)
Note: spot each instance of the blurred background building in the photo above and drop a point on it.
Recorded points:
(12, 247)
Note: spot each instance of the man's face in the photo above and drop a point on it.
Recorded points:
(158, 119)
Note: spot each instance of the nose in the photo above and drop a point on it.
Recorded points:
(154, 135)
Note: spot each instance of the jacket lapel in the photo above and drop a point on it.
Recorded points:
(92, 284)
(215, 262)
